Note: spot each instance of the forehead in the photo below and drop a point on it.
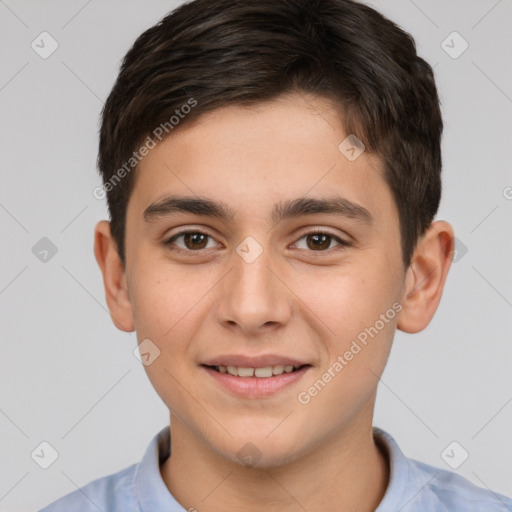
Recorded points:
(253, 157)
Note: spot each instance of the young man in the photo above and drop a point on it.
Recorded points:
(272, 170)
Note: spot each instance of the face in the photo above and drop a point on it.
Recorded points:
(303, 270)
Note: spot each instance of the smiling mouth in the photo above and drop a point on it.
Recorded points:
(261, 372)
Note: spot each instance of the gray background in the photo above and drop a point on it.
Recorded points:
(70, 378)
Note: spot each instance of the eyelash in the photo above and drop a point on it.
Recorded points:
(169, 242)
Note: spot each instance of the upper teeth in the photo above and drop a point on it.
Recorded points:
(267, 371)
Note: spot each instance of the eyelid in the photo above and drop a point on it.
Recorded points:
(311, 230)
(342, 241)
(168, 241)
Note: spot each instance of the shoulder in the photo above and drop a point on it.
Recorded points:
(454, 492)
(139, 486)
(417, 486)
(115, 493)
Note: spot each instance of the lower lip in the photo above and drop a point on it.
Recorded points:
(256, 387)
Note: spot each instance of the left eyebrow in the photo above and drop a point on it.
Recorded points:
(283, 210)
(309, 206)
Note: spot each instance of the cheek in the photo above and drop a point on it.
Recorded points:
(164, 298)
(357, 356)
(169, 308)
(166, 310)
(350, 299)
(358, 304)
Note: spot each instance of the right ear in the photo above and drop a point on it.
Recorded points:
(114, 278)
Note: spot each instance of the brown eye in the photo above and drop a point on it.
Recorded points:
(195, 240)
(320, 241)
(191, 241)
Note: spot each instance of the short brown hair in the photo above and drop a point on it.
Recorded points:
(214, 53)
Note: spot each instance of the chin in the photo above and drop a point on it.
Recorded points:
(260, 450)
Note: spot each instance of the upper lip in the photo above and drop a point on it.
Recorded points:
(260, 361)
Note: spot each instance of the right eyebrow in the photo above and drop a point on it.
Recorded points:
(197, 206)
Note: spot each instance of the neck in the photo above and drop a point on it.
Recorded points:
(348, 472)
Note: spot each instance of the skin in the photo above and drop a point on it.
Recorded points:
(295, 299)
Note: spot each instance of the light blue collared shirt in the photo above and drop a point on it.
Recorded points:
(413, 486)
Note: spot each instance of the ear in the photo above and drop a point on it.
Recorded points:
(425, 277)
(114, 278)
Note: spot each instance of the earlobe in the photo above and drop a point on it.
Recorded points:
(426, 277)
(114, 278)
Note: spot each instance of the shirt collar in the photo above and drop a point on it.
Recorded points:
(400, 473)
(152, 493)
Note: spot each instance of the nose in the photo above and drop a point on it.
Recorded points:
(253, 297)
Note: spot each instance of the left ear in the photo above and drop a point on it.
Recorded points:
(426, 276)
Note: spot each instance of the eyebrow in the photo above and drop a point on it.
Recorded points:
(283, 210)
